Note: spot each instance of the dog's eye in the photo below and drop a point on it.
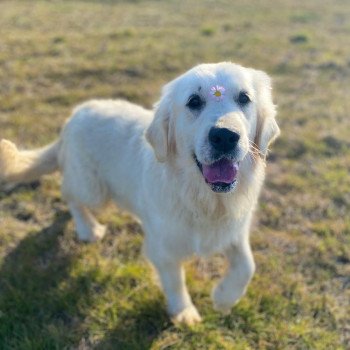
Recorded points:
(195, 102)
(243, 98)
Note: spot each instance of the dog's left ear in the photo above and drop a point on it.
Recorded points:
(160, 133)
(267, 129)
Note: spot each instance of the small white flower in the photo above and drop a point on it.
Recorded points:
(218, 92)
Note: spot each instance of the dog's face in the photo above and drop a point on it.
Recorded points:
(210, 118)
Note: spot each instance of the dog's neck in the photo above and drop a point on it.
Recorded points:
(196, 200)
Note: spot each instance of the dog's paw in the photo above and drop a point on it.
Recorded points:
(188, 316)
(224, 299)
(98, 232)
(91, 234)
(223, 308)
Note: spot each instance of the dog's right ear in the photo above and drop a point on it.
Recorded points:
(159, 132)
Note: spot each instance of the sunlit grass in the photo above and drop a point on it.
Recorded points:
(56, 293)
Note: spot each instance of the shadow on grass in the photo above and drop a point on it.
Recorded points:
(45, 298)
(137, 329)
(40, 301)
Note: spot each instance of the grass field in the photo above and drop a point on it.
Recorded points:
(56, 293)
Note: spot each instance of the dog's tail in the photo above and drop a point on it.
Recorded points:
(25, 166)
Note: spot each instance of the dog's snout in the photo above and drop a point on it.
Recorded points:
(222, 139)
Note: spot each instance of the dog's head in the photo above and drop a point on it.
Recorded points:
(210, 118)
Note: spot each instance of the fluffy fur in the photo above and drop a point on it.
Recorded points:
(145, 162)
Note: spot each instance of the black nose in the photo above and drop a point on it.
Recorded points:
(222, 139)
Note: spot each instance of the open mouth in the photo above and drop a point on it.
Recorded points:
(221, 175)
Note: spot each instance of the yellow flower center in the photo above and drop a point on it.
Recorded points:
(217, 93)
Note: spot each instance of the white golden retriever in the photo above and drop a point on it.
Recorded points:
(191, 172)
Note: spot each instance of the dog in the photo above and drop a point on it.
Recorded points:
(191, 172)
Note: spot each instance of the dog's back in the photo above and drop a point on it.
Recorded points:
(102, 151)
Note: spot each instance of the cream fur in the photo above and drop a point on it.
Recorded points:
(103, 154)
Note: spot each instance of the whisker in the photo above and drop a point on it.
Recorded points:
(252, 156)
(255, 149)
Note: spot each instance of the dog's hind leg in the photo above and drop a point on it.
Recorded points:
(88, 228)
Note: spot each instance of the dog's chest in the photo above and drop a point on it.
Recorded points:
(210, 239)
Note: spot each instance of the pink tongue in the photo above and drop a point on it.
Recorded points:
(223, 170)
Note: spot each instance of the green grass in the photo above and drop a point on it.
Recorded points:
(57, 293)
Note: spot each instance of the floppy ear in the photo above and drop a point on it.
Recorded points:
(267, 129)
(160, 133)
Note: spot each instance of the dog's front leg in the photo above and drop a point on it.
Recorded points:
(234, 284)
(172, 277)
